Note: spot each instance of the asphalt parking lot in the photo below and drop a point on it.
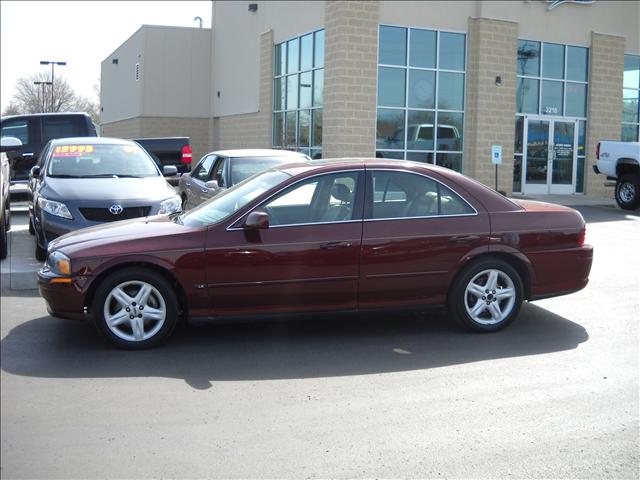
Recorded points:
(554, 395)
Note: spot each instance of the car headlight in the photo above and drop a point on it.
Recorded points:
(54, 208)
(170, 205)
(59, 263)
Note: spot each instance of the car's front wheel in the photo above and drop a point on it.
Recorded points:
(628, 191)
(487, 296)
(135, 309)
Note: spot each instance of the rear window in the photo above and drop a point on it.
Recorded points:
(63, 127)
(105, 160)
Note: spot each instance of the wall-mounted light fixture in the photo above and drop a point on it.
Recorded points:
(498, 80)
(253, 7)
(114, 61)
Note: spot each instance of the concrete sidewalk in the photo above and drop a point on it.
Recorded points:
(18, 270)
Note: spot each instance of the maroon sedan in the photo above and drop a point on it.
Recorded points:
(349, 235)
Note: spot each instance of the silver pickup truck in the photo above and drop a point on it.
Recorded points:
(620, 161)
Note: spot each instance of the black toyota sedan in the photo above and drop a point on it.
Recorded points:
(85, 181)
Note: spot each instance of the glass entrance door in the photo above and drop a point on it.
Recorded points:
(550, 156)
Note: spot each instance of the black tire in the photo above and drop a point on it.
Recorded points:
(628, 191)
(4, 241)
(7, 214)
(128, 280)
(41, 253)
(476, 275)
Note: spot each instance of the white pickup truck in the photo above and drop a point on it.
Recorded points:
(620, 161)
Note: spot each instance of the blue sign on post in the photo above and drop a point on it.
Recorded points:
(496, 154)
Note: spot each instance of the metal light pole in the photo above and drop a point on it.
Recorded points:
(53, 64)
(43, 84)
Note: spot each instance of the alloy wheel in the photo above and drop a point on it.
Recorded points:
(490, 297)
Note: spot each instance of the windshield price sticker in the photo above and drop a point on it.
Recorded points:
(72, 150)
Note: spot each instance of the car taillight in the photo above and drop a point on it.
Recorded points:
(598, 151)
(187, 154)
(582, 236)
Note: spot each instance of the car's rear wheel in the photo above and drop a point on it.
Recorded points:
(487, 296)
(135, 309)
(628, 191)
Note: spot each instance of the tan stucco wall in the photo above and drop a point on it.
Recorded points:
(604, 108)
(197, 129)
(349, 115)
(236, 47)
(490, 109)
(252, 130)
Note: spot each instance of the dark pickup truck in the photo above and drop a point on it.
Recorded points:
(165, 151)
(35, 130)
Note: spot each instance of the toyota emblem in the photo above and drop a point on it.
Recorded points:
(116, 209)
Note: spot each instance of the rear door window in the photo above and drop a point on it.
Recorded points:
(63, 126)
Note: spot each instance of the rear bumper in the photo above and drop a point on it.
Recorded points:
(560, 272)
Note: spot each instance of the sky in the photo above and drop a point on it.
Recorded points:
(81, 33)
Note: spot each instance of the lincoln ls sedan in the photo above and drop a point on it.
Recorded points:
(342, 235)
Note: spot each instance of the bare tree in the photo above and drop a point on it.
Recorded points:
(32, 98)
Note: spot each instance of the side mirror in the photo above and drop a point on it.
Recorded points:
(257, 220)
(10, 144)
(212, 184)
(169, 170)
(35, 172)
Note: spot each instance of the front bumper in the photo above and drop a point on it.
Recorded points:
(64, 295)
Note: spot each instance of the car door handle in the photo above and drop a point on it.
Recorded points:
(464, 238)
(27, 154)
(335, 245)
(187, 184)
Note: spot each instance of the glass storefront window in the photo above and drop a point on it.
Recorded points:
(292, 92)
(420, 130)
(305, 90)
(451, 94)
(630, 95)
(517, 148)
(297, 93)
(292, 56)
(393, 46)
(391, 87)
(316, 133)
(452, 52)
(392, 155)
(527, 95)
(306, 52)
(318, 87)
(304, 128)
(577, 63)
(630, 105)
(390, 128)
(576, 99)
(422, 89)
(551, 98)
(423, 48)
(450, 128)
(528, 58)
(552, 60)
(421, 100)
(631, 71)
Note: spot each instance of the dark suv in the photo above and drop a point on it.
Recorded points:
(35, 130)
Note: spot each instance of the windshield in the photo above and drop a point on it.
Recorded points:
(222, 206)
(100, 160)
(245, 167)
